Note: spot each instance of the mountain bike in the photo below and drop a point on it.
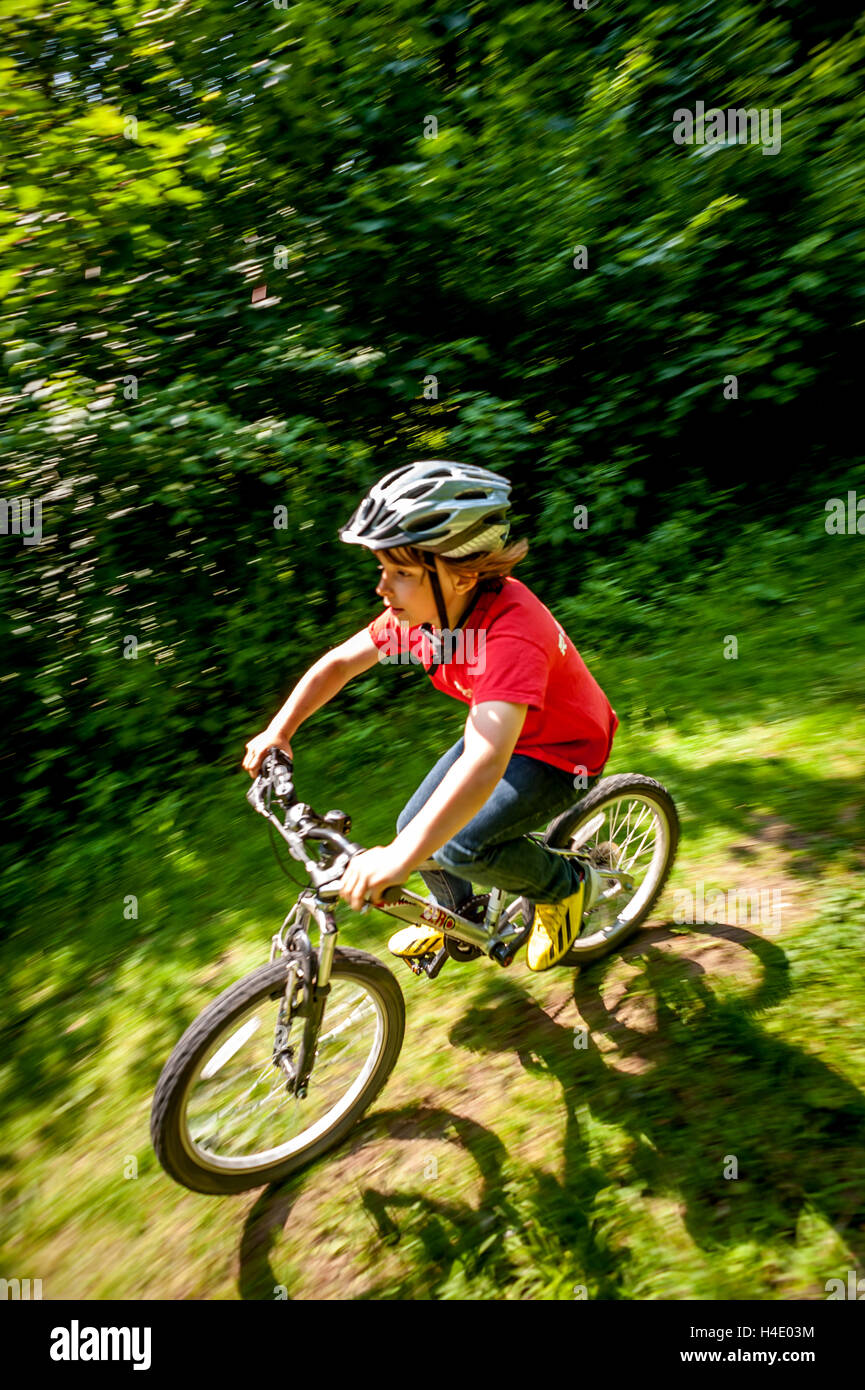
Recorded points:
(281, 1066)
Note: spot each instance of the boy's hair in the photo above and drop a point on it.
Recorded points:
(495, 564)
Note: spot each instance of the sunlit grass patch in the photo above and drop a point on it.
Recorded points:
(541, 1135)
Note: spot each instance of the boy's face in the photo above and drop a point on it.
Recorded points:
(408, 591)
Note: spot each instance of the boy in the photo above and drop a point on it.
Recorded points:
(536, 715)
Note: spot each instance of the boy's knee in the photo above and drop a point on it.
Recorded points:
(459, 859)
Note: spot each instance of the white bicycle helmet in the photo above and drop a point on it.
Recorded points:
(452, 509)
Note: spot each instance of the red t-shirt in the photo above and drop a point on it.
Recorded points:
(514, 649)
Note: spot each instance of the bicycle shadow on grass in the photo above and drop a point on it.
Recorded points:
(448, 1231)
(711, 1085)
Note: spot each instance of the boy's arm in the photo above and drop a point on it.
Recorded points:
(323, 680)
(491, 733)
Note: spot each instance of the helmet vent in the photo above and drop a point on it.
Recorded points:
(444, 507)
(420, 523)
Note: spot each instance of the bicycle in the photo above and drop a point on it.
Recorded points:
(259, 1086)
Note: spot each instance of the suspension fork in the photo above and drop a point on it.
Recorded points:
(315, 982)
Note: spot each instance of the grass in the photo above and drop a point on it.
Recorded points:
(503, 1159)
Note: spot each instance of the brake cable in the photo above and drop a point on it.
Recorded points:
(299, 882)
(268, 796)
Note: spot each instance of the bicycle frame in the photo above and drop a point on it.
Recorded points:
(495, 937)
(339, 1015)
(407, 907)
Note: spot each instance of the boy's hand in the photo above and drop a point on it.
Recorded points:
(258, 746)
(370, 873)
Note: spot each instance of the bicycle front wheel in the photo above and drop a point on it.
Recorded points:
(223, 1120)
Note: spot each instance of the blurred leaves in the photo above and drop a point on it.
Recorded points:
(160, 165)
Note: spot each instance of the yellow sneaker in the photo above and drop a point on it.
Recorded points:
(415, 941)
(556, 926)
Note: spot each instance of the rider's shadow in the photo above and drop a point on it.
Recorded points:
(716, 1095)
(448, 1229)
(563, 1209)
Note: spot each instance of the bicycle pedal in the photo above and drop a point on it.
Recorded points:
(428, 965)
(437, 962)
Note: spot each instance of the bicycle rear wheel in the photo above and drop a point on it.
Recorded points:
(627, 822)
(223, 1120)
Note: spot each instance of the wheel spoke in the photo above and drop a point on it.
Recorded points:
(631, 830)
(630, 834)
(239, 1104)
(365, 1011)
(635, 856)
(614, 811)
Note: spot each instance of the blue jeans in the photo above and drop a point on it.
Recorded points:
(490, 850)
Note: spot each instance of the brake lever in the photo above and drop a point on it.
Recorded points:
(282, 783)
(293, 831)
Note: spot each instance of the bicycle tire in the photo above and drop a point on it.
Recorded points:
(559, 832)
(267, 983)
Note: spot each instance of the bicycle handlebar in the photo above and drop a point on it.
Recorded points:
(275, 780)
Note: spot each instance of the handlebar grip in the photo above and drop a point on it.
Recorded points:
(278, 758)
(279, 767)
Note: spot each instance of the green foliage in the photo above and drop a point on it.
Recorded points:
(723, 1041)
(231, 258)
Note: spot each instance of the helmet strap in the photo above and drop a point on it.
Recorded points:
(438, 596)
(443, 621)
